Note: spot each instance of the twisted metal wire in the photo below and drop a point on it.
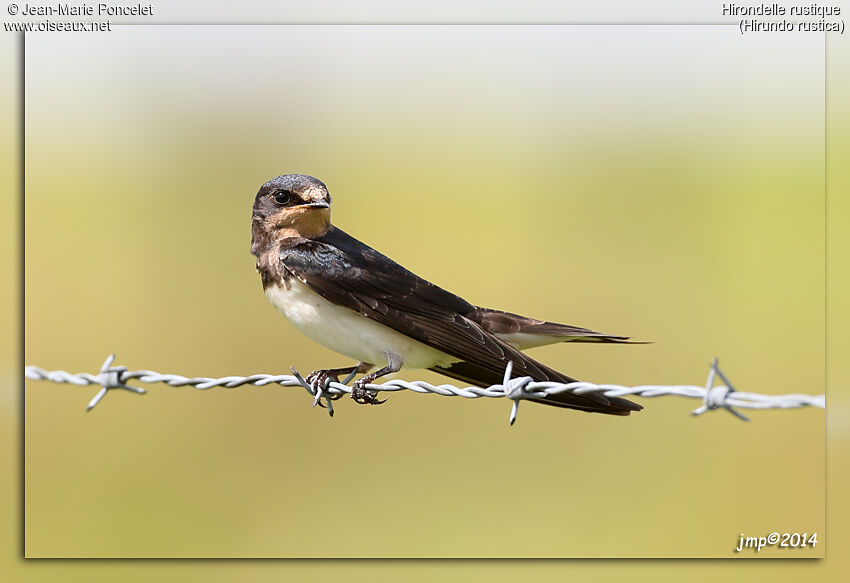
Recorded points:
(515, 389)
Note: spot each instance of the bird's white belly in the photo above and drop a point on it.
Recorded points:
(349, 332)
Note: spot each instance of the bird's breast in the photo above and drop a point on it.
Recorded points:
(346, 331)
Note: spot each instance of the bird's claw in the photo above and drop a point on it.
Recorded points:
(363, 396)
(320, 380)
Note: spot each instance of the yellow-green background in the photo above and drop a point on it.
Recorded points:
(634, 196)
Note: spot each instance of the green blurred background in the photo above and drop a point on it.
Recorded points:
(661, 182)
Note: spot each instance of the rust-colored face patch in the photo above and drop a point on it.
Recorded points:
(301, 221)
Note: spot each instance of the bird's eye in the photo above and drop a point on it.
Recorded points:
(283, 197)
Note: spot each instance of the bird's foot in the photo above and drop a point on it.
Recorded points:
(320, 379)
(364, 396)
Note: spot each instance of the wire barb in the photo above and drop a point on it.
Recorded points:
(516, 389)
(110, 378)
(715, 397)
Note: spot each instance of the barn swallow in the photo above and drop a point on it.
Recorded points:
(355, 301)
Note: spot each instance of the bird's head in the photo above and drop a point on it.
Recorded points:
(292, 205)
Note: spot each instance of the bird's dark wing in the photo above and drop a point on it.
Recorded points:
(353, 275)
(499, 322)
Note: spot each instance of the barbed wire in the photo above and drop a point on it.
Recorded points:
(516, 389)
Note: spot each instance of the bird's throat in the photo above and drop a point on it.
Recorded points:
(308, 223)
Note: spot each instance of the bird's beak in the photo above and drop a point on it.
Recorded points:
(317, 204)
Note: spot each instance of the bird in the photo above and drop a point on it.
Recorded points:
(350, 298)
